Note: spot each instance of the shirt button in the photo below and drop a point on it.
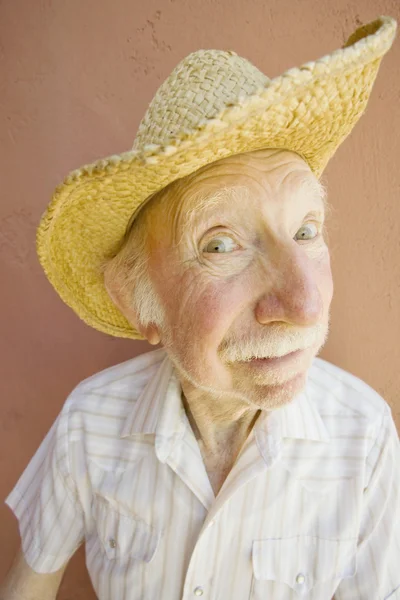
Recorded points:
(198, 591)
(300, 578)
(112, 543)
(211, 523)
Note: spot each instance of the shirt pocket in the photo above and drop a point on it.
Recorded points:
(123, 535)
(293, 567)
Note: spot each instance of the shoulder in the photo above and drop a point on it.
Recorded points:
(103, 400)
(121, 376)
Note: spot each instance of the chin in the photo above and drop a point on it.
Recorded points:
(274, 395)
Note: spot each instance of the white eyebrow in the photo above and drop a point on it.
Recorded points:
(206, 201)
(203, 201)
(316, 188)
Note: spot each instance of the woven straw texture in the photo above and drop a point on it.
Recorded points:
(214, 104)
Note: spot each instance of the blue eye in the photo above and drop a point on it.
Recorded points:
(304, 235)
(220, 245)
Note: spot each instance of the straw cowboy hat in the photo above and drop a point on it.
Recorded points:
(214, 104)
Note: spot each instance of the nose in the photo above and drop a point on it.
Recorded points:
(290, 293)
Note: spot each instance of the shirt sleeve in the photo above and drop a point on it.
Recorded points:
(46, 503)
(378, 551)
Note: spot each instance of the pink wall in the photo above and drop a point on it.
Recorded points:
(75, 79)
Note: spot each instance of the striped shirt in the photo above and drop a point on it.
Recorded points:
(310, 509)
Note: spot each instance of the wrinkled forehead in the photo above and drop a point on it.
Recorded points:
(239, 186)
(297, 190)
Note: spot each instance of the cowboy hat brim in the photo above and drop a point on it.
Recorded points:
(309, 110)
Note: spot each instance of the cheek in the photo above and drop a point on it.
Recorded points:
(206, 309)
(325, 277)
(217, 307)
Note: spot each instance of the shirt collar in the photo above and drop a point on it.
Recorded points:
(159, 410)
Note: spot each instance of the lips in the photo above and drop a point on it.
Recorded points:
(279, 360)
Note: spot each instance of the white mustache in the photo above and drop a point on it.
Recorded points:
(275, 345)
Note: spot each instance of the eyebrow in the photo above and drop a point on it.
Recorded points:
(194, 217)
(316, 188)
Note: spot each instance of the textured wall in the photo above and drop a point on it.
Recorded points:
(75, 79)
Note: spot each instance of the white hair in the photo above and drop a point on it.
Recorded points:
(128, 272)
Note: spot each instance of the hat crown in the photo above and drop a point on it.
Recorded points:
(198, 89)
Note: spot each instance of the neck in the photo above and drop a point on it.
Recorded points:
(220, 426)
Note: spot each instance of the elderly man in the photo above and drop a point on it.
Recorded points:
(231, 463)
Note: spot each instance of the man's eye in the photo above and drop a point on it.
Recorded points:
(220, 245)
(304, 232)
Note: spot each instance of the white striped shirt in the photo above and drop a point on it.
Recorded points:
(310, 509)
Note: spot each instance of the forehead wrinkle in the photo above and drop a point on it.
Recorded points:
(186, 208)
(202, 203)
(312, 187)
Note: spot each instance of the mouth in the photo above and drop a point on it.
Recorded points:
(277, 360)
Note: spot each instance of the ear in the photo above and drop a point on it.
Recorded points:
(151, 331)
